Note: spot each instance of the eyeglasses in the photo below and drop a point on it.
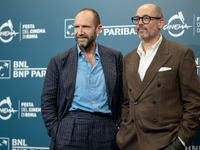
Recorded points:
(145, 19)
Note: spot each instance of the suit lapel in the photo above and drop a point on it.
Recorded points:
(70, 63)
(109, 68)
(159, 60)
(131, 78)
(133, 72)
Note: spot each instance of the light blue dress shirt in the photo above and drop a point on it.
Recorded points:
(90, 90)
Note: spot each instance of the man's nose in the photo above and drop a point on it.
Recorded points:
(140, 21)
(80, 31)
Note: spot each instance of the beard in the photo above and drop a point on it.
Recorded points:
(145, 34)
(88, 42)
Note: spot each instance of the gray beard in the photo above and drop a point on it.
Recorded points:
(87, 44)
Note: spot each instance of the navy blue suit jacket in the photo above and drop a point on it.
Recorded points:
(59, 85)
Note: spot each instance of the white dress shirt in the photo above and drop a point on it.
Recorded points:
(146, 59)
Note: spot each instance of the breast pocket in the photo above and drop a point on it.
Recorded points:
(167, 82)
(166, 76)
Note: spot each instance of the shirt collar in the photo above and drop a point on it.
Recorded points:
(154, 47)
(81, 53)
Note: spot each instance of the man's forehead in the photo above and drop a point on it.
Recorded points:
(145, 11)
(85, 13)
(87, 16)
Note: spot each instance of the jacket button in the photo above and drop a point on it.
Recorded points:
(154, 102)
(159, 85)
(154, 120)
(132, 120)
(130, 90)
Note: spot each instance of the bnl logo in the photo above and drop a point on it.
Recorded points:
(5, 69)
(4, 143)
(69, 28)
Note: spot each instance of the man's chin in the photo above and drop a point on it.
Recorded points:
(82, 45)
(81, 42)
(143, 37)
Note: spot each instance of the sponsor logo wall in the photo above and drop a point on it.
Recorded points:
(32, 32)
(27, 31)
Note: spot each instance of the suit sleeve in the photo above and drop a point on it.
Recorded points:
(125, 105)
(120, 95)
(49, 98)
(190, 93)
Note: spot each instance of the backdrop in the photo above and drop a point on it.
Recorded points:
(33, 31)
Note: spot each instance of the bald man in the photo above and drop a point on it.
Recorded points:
(161, 89)
(82, 92)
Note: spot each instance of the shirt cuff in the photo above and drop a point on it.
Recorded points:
(181, 141)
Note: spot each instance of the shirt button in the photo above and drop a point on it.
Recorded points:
(92, 88)
(93, 102)
(135, 103)
(91, 75)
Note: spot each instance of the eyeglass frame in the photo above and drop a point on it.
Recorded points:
(150, 18)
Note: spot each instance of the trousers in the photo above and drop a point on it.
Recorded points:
(81, 130)
(175, 145)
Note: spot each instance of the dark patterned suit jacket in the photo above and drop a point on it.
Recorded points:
(166, 104)
(59, 85)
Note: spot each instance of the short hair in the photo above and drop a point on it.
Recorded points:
(97, 20)
(158, 11)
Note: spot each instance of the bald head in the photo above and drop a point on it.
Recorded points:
(96, 17)
(153, 9)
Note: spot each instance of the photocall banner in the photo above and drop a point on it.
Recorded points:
(33, 31)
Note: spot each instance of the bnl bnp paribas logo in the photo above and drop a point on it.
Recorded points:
(197, 60)
(4, 143)
(115, 30)
(19, 69)
(176, 25)
(17, 144)
(26, 31)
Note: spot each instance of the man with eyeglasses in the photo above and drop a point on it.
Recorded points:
(161, 89)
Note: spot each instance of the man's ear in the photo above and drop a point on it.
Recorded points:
(161, 23)
(98, 29)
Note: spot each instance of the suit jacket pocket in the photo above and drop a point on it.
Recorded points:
(166, 76)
